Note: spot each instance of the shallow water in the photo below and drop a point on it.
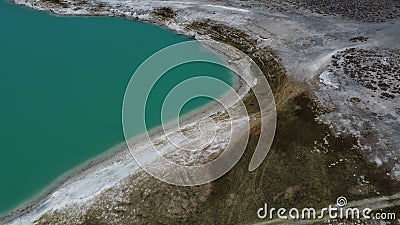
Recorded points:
(62, 81)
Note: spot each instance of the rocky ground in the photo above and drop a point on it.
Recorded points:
(334, 69)
(360, 88)
(357, 10)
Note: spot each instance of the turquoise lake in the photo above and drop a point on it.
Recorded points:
(62, 83)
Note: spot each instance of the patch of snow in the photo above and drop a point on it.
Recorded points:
(229, 8)
(326, 78)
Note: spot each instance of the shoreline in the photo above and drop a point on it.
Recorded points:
(113, 155)
(117, 156)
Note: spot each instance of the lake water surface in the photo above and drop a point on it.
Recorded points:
(62, 83)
